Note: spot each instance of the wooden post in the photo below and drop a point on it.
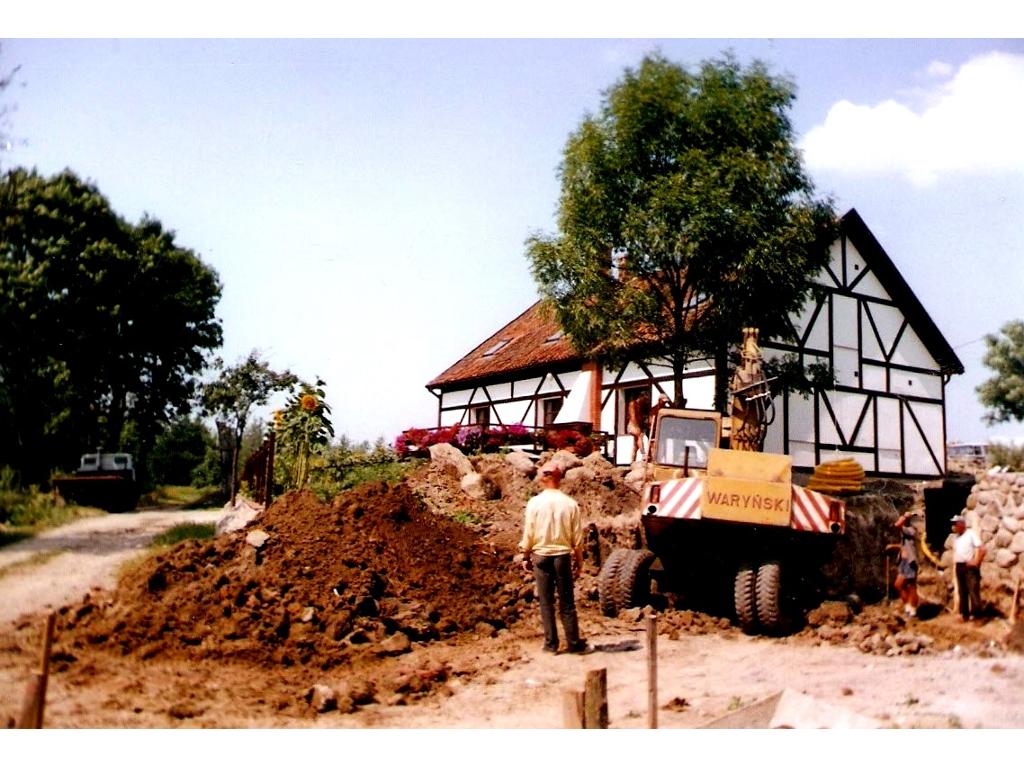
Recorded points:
(572, 709)
(35, 692)
(652, 671)
(595, 699)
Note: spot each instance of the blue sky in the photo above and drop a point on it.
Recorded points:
(365, 202)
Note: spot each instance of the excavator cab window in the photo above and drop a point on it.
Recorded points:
(685, 442)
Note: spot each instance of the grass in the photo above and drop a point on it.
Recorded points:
(465, 517)
(183, 532)
(24, 512)
(181, 497)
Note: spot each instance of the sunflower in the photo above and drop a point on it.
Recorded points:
(308, 402)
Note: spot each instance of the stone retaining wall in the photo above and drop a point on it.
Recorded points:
(995, 509)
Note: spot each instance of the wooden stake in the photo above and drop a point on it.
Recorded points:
(572, 709)
(595, 699)
(652, 671)
(35, 691)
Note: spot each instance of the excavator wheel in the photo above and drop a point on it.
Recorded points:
(608, 582)
(635, 579)
(769, 605)
(745, 598)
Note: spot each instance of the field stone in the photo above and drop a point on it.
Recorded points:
(989, 523)
(580, 475)
(359, 691)
(322, 697)
(972, 501)
(634, 479)
(1011, 523)
(1002, 538)
(984, 498)
(256, 539)
(522, 463)
(396, 645)
(449, 457)
(567, 460)
(1005, 558)
(476, 486)
(1017, 545)
(597, 462)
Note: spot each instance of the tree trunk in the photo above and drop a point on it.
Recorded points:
(678, 367)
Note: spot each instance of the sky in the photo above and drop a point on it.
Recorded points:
(365, 202)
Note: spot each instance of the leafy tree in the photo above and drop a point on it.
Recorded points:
(106, 324)
(179, 450)
(230, 398)
(1003, 394)
(304, 427)
(684, 216)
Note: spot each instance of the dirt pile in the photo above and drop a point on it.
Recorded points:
(310, 584)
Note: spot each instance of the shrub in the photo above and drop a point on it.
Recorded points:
(1009, 456)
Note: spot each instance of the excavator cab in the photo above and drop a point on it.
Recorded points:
(681, 443)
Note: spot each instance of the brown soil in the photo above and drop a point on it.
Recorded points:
(392, 596)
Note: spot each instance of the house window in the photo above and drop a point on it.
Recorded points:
(549, 409)
(627, 397)
(496, 348)
(480, 415)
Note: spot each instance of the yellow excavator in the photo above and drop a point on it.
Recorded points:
(716, 511)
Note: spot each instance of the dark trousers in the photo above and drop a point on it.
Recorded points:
(554, 572)
(968, 585)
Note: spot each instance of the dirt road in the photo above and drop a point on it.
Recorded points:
(61, 565)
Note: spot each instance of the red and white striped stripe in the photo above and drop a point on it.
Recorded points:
(809, 511)
(681, 498)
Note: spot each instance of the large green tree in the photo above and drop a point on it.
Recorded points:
(685, 215)
(1003, 394)
(106, 324)
(230, 399)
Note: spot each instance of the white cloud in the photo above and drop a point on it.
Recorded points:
(973, 124)
(939, 69)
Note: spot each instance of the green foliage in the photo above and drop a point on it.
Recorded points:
(183, 532)
(1009, 456)
(303, 427)
(684, 216)
(180, 449)
(182, 497)
(106, 324)
(345, 465)
(230, 398)
(465, 517)
(26, 511)
(1003, 394)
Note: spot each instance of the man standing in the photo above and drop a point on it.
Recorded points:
(968, 552)
(906, 566)
(552, 547)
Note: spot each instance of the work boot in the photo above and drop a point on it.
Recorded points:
(580, 647)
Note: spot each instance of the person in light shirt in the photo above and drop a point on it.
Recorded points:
(968, 552)
(552, 547)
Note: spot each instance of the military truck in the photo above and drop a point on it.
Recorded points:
(715, 517)
(104, 480)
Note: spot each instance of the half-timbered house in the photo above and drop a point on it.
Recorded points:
(889, 360)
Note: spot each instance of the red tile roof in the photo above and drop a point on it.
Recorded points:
(526, 346)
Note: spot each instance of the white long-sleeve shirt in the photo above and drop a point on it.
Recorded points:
(553, 524)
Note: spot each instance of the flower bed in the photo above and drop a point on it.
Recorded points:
(416, 442)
